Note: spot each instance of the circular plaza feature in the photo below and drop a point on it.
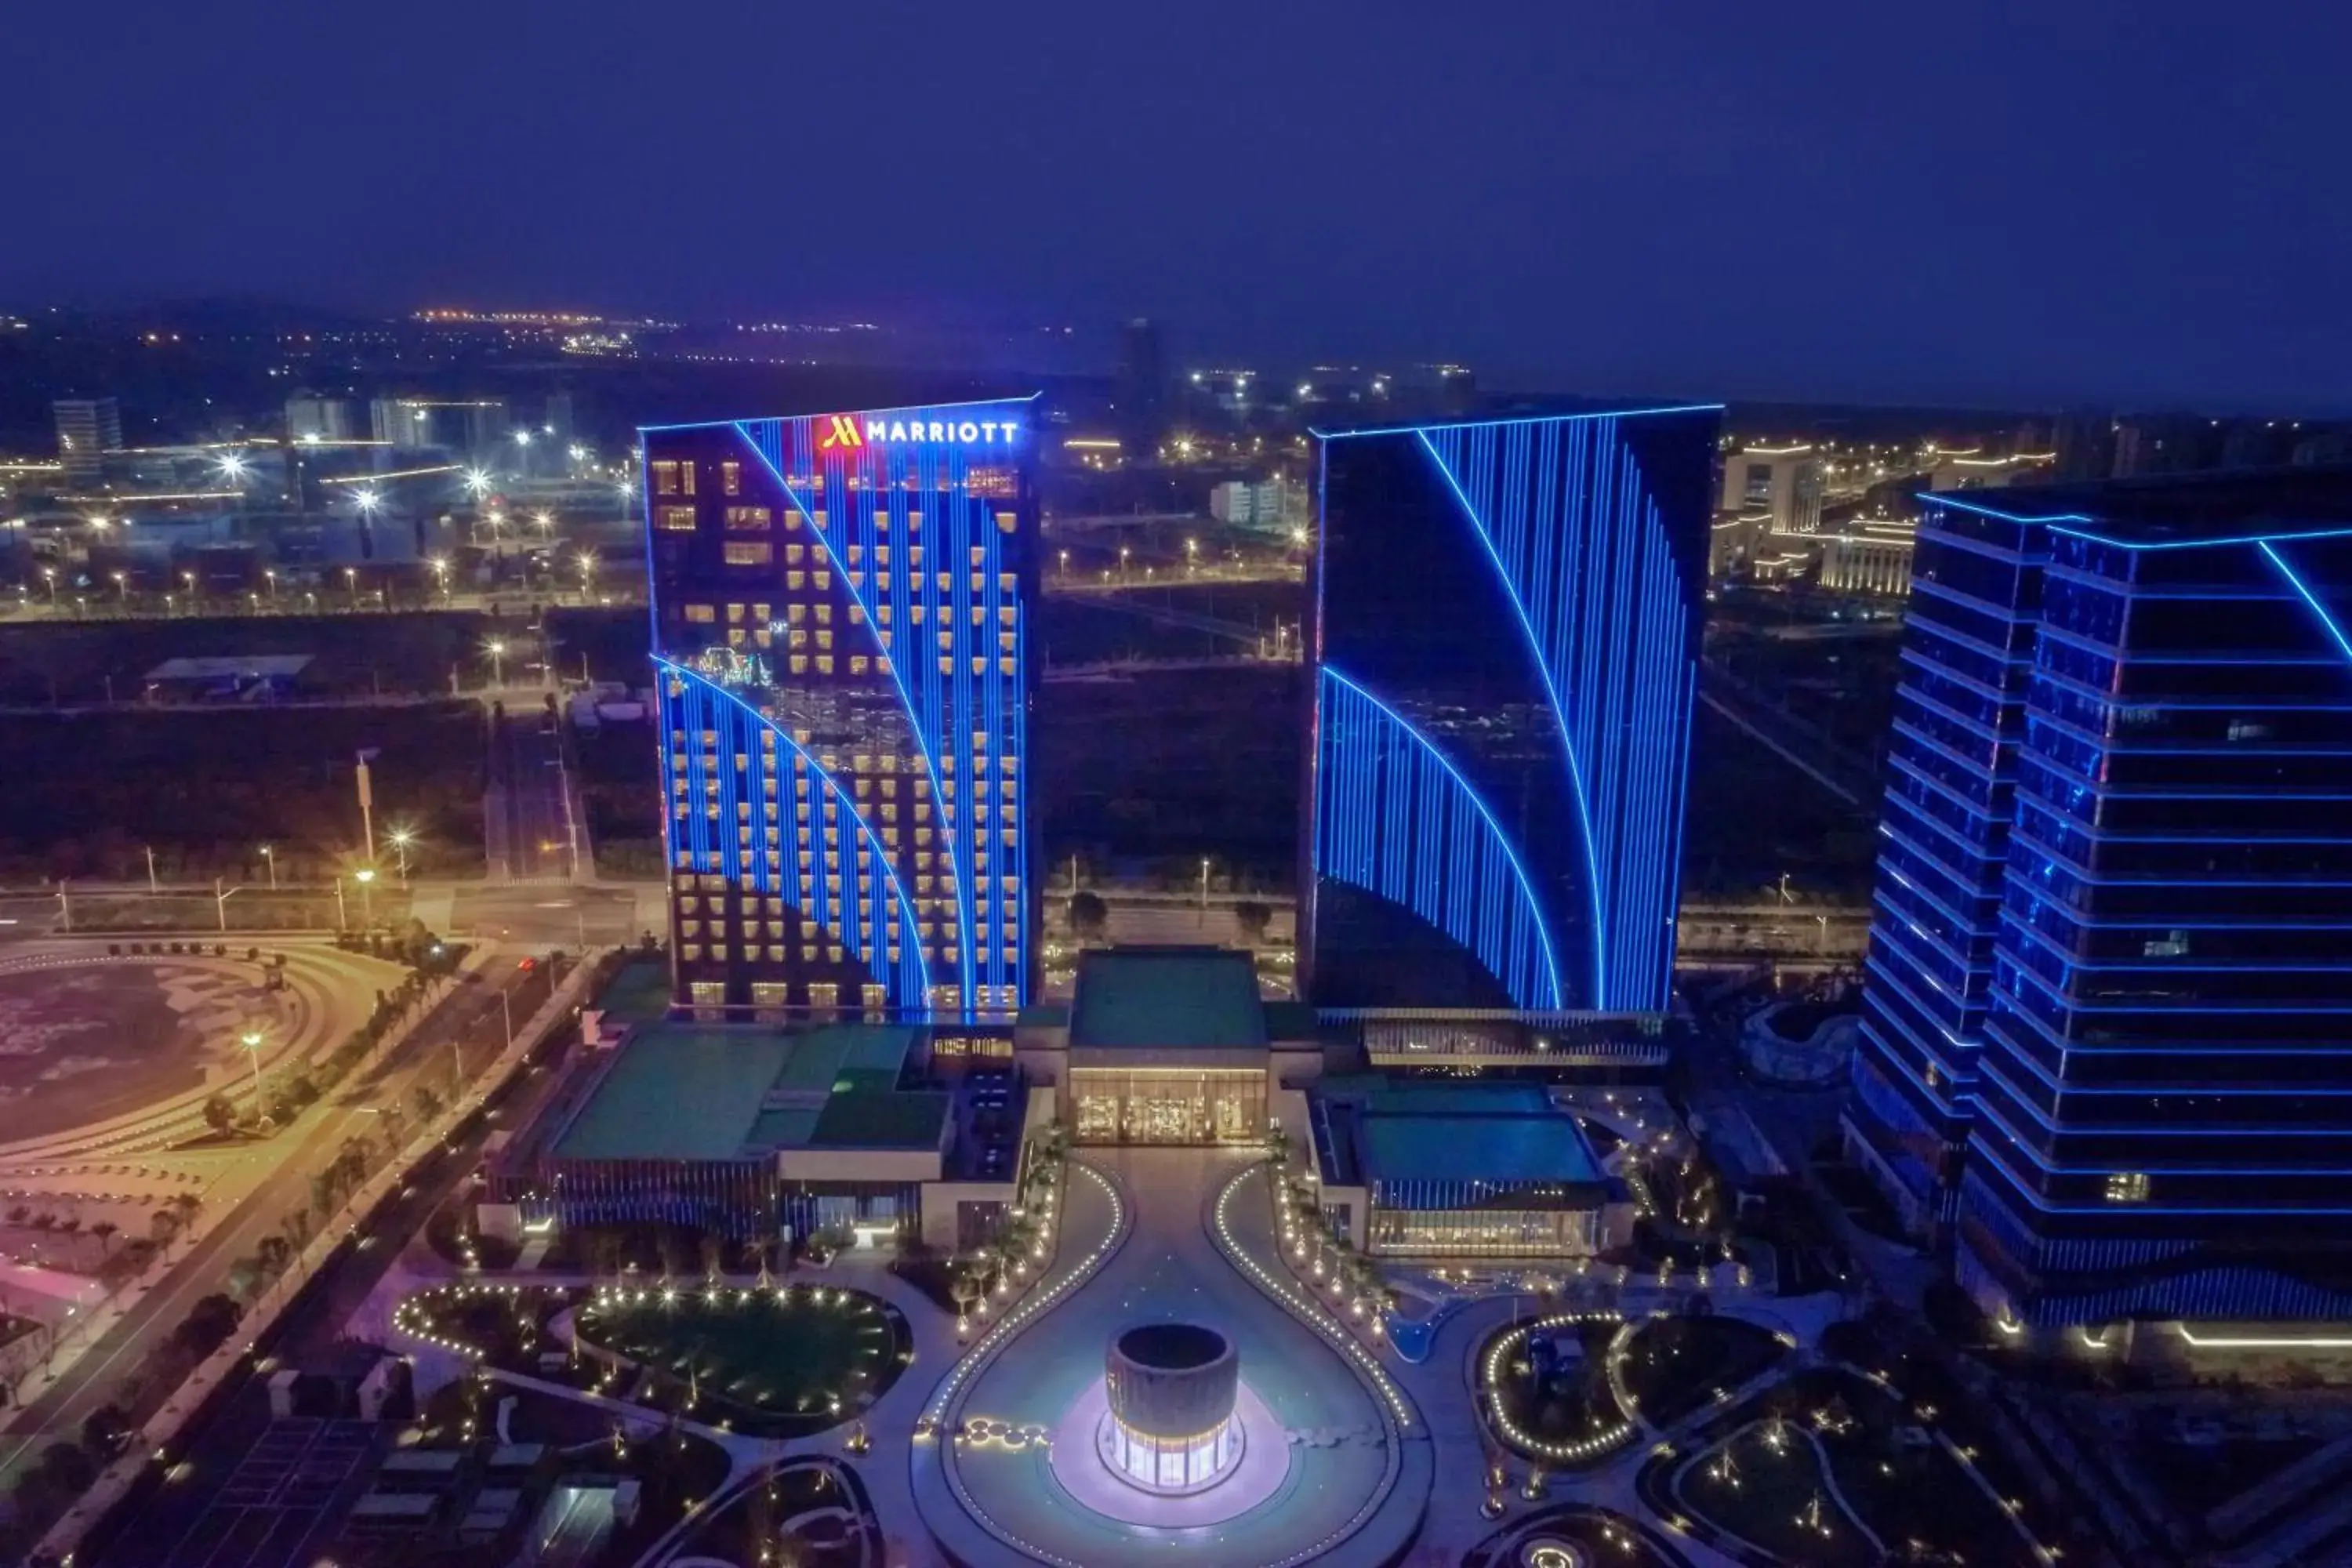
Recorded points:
(1170, 1387)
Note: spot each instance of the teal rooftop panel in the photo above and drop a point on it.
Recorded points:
(1507, 1149)
(1167, 998)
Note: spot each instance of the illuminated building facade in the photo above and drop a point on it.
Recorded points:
(2158, 1108)
(1505, 633)
(840, 607)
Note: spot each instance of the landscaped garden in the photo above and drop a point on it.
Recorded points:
(1548, 1384)
(1888, 1488)
(785, 1361)
(812, 1513)
(1675, 1365)
(1571, 1536)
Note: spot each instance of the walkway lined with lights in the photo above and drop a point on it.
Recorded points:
(1358, 1472)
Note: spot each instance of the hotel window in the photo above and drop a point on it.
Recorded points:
(794, 554)
(2127, 1187)
(731, 477)
(795, 580)
(1004, 665)
(767, 993)
(674, 518)
(686, 479)
(749, 553)
(749, 519)
(665, 479)
(700, 614)
(980, 555)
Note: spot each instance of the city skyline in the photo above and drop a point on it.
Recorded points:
(1759, 196)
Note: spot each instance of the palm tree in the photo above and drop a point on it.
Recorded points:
(162, 1226)
(105, 1230)
(185, 1206)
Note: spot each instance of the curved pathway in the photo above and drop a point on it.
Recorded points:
(1353, 1487)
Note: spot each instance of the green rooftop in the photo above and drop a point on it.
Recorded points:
(1169, 998)
(680, 1092)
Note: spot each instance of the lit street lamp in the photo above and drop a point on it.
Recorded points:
(49, 575)
(269, 858)
(400, 839)
(251, 1040)
(587, 573)
(497, 649)
(365, 878)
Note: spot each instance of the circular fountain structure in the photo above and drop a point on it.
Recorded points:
(1170, 1429)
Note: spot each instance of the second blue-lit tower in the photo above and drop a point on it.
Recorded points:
(1505, 637)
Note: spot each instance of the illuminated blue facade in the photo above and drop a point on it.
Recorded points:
(1951, 773)
(841, 643)
(2159, 1105)
(1507, 617)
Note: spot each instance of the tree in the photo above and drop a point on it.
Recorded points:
(220, 1114)
(1088, 914)
(19, 1215)
(428, 1103)
(1252, 917)
(105, 1230)
(104, 1431)
(212, 1319)
(162, 1226)
(710, 1256)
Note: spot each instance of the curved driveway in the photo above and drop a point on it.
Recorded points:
(1344, 1458)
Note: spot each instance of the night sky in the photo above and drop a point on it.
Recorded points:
(2003, 201)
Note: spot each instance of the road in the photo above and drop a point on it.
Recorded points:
(161, 1524)
(526, 813)
(1169, 1270)
(468, 1018)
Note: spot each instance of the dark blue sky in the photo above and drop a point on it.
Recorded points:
(1889, 199)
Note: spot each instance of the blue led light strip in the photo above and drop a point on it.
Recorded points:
(1394, 816)
(942, 708)
(692, 704)
(1564, 516)
(2327, 623)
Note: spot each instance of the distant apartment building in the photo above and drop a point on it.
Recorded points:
(1870, 558)
(2113, 955)
(88, 429)
(1781, 485)
(311, 419)
(1267, 504)
(478, 428)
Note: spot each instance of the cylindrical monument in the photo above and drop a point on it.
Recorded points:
(1172, 1386)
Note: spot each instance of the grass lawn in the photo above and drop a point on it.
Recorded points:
(1673, 1365)
(1914, 1496)
(800, 1360)
(1766, 1499)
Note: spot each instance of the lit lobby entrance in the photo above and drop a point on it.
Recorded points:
(1168, 1105)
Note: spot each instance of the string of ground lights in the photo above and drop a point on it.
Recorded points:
(1306, 1309)
(1505, 1349)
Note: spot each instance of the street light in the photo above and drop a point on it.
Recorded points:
(400, 839)
(269, 858)
(364, 876)
(497, 649)
(232, 466)
(587, 572)
(251, 1039)
(49, 575)
(440, 564)
(368, 501)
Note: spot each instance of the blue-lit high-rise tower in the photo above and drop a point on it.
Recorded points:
(841, 629)
(1505, 635)
(1952, 776)
(2157, 1111)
